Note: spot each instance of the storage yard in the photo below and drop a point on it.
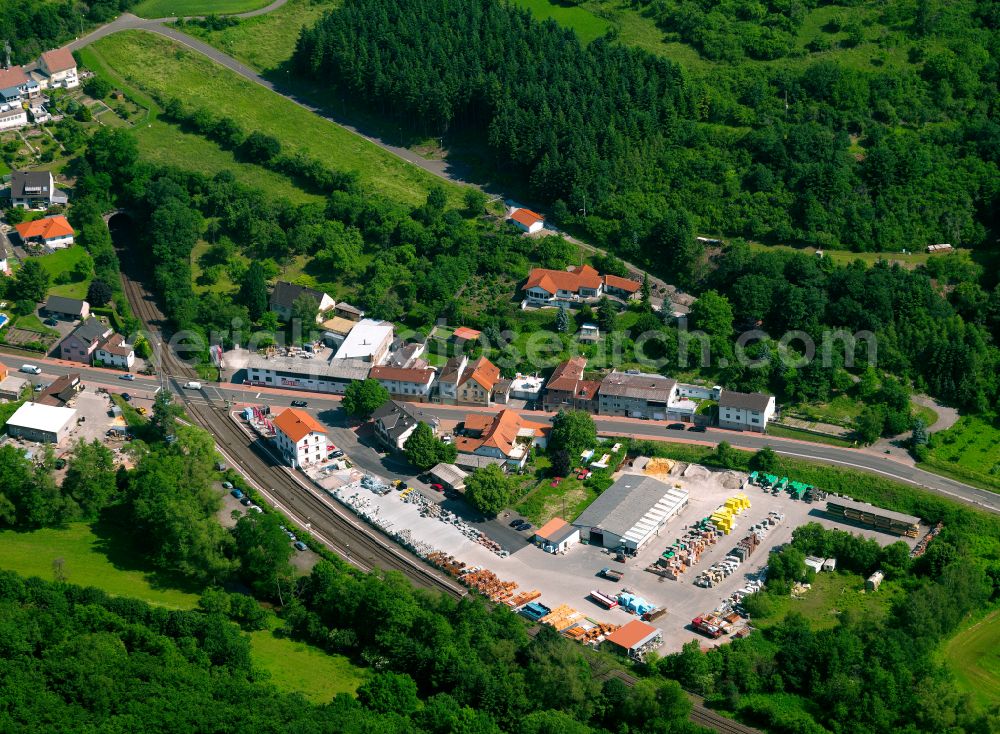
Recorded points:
(710, 551)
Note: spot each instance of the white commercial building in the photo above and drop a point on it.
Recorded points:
(317, 375)
(44, 423)
(630, 512)
(300, 437)
(369, 341)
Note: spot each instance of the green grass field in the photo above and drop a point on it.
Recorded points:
(974, 658)
(832, 593)
(968, 451)
(166, 144)
(61, 263)
(86, 561)
(298, 667)
(158, 66)
(910, 260)
(266, 41)
(789, 432)
(587, 25)
(182, 8)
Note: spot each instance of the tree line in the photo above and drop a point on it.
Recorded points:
(616, 139)
(32, 28)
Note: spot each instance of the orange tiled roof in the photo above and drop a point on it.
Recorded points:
(499, 431)
(464, 332)
(622, 284)
(12, 77)
(631, 634)
(526, 217)
(551, 527)
(47, 228)
(297, 424)
(402, 374)
(484, 372)
(572, 280)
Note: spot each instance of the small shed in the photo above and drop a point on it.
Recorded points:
(816, 564)
(449, 475)
(874, 581)
(557, 536)
(589, 333)
(830, 564)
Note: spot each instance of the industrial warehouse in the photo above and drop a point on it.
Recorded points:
(630, 513)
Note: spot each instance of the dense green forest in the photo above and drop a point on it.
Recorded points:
(827, 154)
(31, 28)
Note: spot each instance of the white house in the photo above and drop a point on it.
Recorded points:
(34, 190)
(527, 220)
(114, 352)
(300, 437)
(12, 116)
(745, 411)
(451, 377)
(53, 232)
(396, 421)
(59, 68)
(407, 382)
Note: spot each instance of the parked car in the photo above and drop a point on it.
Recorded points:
(438, 487)
(236, 493)
(255, 508)
(50, 322)
(335, 454)
(127, 376)
(245, 501)
(676, 427)
(126, 397)
(227, 485)
(299, 545)
(299, 403)
(515, 522)
(525, 526)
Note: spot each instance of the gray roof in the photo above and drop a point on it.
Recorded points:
(623, 504)
(21, 180)
(62, 304)
(285, 294)
(449, 473)
(90, 329)
(398, 417)
(756, 401)
(348, 308)
(641, 386)
(559, 535)
(475, 461)
(341, 369)
(452, 370)
(404, 355)
(871, 509)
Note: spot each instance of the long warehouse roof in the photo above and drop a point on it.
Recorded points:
(872, 509)
(629, 504)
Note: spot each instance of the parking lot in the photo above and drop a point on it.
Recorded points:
(569, 578)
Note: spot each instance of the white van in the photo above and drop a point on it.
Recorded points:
(31, 369)
(192, 385)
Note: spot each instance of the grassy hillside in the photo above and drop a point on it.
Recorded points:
(974, 658)
(164, 69)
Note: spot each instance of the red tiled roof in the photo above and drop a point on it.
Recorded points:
(587, 389)
(464, 332)
(402, 374)
(573, 279)
(567, 374)
(622, 284)
(550, 528)
(297, 424)
(631, 634)
(483, 372)
(60, 59)
(498, 431)
(47, 228)
(12, 77)
(526, 217)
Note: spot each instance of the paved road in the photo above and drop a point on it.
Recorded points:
(327, 407)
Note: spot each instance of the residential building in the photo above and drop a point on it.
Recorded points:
(561, 386)
(54, 232)
(501, 391)
(505, 436)
(589, 333)
(395, 422)
(451, 375)
(34, 190)
(405, 381)
(43, 423)
(476, 386)
(636, 395)
(368, 341)
(12, 115)
(63, 389)
(16, 86)
(59, 68)
(408, 355)
(113, 351)
(81, 343)
(745, 411)
(284, 295)
(527, 221)
(6, 251)
(67, 309)
(349, 312)
(557, 536)
(526, 387)
(575, 283)
(300, 438)
(624, 288)
(630, 513)
(318, 375)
